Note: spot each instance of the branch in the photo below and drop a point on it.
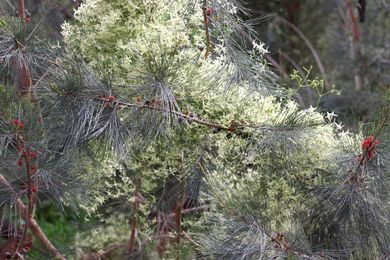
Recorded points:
(188, 117)
(33, 225)
(191, 210)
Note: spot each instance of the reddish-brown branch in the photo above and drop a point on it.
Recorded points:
(23, 79)
(233, 127)
(33, 225)
(21, 69)
(356, 34)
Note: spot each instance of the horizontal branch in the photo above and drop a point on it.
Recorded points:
(191, 210)
(194, 119)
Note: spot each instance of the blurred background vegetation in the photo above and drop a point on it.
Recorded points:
(346, 42)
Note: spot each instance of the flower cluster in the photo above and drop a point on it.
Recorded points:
(209, 11)
(107, 100)
(369, 144)
(17, 123)
(27, 246)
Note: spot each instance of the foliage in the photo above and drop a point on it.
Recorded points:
(172, 137)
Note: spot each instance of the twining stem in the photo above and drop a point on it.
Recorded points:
(33, 225)
(30, 199)
(22, 14)
(134, 213)
(354, 43)
(206, 27)
(180, 202)
(22, 11)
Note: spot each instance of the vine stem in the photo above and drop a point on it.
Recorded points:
(134, 212)
(33, 224)
(354, 42)
(180, 202)
(28, 212)
(22, 13)
(207, 29)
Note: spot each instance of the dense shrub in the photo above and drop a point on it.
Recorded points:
(161, 122)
